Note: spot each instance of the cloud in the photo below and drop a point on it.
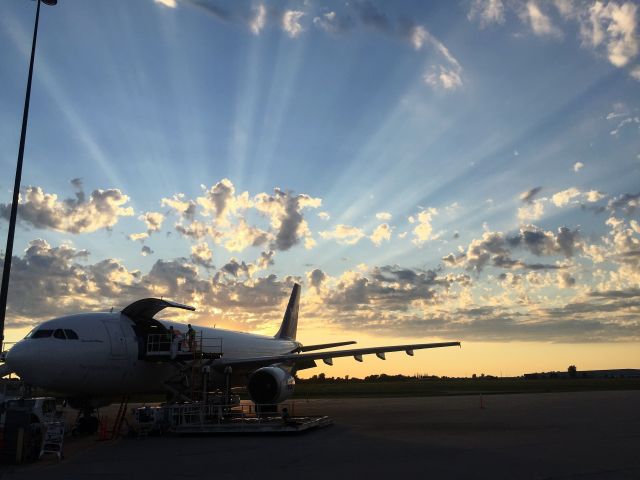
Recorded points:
(414, 302)
(383, 216)
(45, 272)
(530, 195)
(623, 123)
(627, 203)
(291, 22)
(423, 229)
(153, 221)
(563, 198)
(211, 9)
(324, 215)
(612, 26)
(138, 236)
(446, 75)
(259, 20)
(443, 77)
(594, 196)
(619, 109)
(219, 200)
(333, 23)
(166, 3)
(43, 210)
(315, 278)
(201, 254)
(541, 242)
(236, 268)
(197, 230)
(532, 211)
(534, 208)
(241, 236)
(344, 234)
(265, 260)
(481, 250)
(145, 251)
(387, 300)
(486, 12)
(624, 244)
(380, 234)
(370, 16)
(186, 208)
(496, 249)
(285, 211)
(418, 36)
(578, 166)
(226, 217)
(62, 273)
(565, 280)
(609, 27)
(606, 26)
(540, 23)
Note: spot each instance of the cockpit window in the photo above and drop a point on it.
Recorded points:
(42, 333)
(30, 333)
(71, 335)
(59, 333)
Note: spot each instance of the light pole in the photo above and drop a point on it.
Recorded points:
(8, 253)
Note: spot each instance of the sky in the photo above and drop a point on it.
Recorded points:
(428, 171)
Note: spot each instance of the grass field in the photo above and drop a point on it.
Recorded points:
(433, 387)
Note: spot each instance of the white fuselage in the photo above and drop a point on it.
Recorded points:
(105, 358)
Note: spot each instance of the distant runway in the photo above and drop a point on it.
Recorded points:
(594, 435)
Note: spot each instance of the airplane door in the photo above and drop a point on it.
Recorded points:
(117, 339)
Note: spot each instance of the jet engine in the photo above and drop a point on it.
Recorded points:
(270, 385)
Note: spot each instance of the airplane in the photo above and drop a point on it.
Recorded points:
(92, 359)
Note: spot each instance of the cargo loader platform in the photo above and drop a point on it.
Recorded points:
(217, 418)
(255, 425)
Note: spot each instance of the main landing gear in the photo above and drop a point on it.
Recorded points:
(88, 423)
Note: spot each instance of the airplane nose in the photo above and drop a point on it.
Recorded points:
(18, 358)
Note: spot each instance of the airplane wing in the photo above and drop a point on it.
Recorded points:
(307, 360)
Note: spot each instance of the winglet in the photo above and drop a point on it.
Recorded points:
(289, 325)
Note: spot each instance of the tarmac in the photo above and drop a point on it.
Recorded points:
(586, 435)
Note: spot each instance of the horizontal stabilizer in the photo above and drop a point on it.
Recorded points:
(322, 346)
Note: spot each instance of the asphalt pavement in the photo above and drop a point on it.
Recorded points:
(592, 435)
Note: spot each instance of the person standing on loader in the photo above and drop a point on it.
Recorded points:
(191, 338)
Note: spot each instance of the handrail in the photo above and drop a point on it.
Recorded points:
(161, 344)
(194, 414)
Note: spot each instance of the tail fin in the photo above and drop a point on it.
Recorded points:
(289, 325)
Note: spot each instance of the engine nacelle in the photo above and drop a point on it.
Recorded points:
(270, 385)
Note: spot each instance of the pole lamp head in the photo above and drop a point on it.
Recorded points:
(50, 2)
